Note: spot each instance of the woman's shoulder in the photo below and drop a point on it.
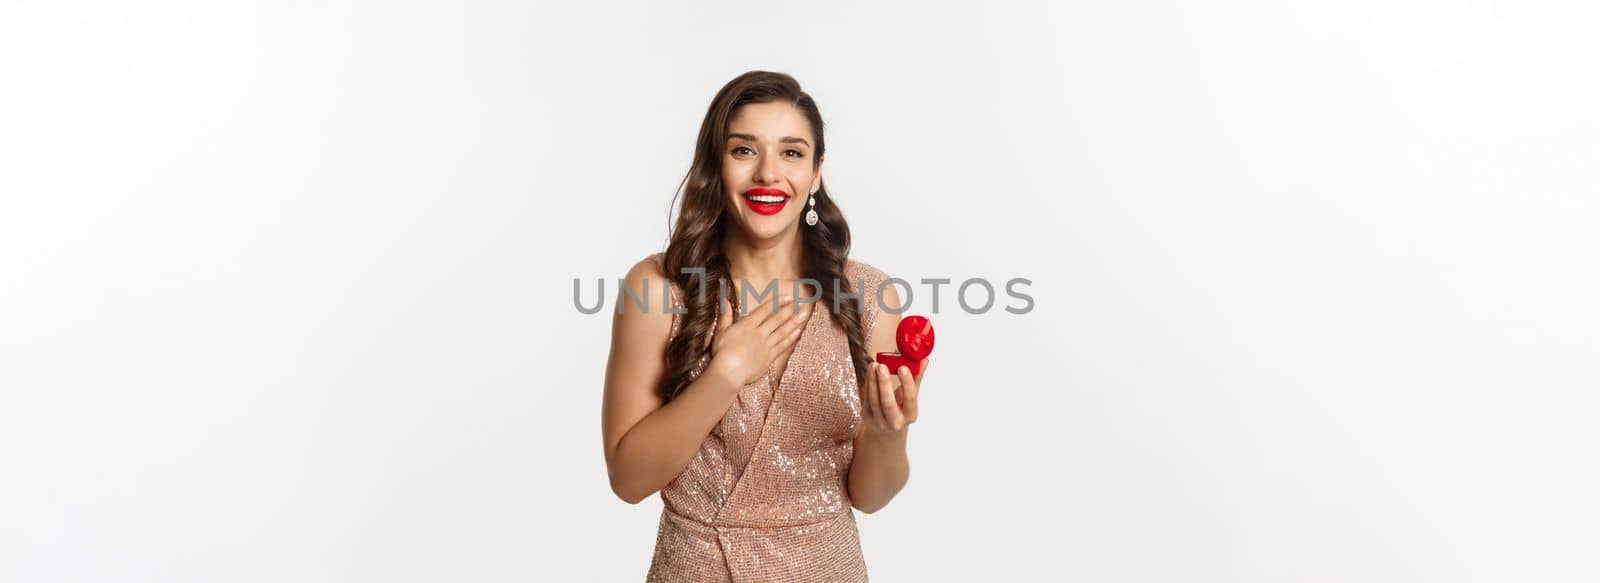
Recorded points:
(872, 283)
(651, 267)
(659, 259)
(651, 301)
(868, 274)
(869, 281)
(648, 277)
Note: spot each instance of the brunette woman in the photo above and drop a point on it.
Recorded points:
(762, 426)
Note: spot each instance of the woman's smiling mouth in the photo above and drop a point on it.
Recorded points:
(766, 201)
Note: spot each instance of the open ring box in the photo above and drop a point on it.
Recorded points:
(914, 338)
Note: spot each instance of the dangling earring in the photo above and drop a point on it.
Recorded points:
(811, 215)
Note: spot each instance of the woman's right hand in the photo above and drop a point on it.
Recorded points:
(744, 349)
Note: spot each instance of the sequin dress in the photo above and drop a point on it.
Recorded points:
(764, 498)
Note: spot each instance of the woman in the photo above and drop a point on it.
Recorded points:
(751, 422)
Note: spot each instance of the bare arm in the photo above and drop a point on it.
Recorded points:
(880, 470)
(880, 467)
(648, 444)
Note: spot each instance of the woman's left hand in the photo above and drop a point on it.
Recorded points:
(889, 399)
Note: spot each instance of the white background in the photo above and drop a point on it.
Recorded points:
(286, 287)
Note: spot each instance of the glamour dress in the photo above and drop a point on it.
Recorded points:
(764, 498)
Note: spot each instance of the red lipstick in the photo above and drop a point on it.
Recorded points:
(766, 201)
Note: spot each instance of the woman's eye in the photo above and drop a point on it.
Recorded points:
(745, 150)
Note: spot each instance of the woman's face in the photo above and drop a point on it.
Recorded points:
(767, 167)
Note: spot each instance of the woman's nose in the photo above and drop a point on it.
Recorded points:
(767, 170)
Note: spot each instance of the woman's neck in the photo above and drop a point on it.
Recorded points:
(759, 262)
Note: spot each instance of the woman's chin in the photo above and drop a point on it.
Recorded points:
(760, 227)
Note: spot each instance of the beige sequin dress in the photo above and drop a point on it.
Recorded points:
(764, 498)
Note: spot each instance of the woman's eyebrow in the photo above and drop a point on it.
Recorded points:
(785, 139)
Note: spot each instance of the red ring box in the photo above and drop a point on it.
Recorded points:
(914, 338)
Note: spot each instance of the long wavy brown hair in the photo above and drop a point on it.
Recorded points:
(696, 240)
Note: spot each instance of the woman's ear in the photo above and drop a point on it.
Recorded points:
(816, 181)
